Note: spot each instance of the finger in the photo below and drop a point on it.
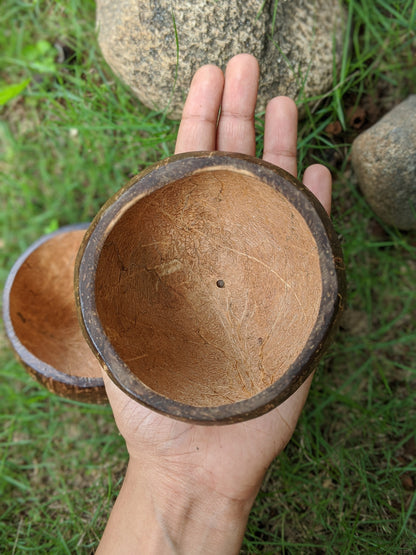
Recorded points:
(317, 179)
(236, 125)
(280, 133)
(197, 130)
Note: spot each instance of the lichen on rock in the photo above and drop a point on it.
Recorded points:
(155, 46)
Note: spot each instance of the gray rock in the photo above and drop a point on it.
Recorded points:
(292, 39)
(384, 161)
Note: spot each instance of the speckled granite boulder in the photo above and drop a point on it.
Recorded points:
(384, 161)
(293, 43)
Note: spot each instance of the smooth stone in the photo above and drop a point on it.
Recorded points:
(292, 39)
(384, 162)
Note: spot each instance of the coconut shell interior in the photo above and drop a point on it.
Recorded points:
(44, 319)
(208, 289)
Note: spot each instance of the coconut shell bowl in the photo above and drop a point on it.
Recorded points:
(207, 288)
(41, 320)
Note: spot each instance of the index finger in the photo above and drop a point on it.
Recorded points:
(198, 127)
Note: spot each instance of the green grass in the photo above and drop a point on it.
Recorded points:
(69, 139)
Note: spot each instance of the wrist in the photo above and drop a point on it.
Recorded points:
(187, 515)
(158, 512)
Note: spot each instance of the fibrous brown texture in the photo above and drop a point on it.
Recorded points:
(209, 288)
(42, 307)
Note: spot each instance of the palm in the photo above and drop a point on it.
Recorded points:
(231, 459)
(210, 451)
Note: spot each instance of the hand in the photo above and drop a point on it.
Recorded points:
(211, 474)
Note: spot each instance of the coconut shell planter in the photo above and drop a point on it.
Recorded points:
(208, 289)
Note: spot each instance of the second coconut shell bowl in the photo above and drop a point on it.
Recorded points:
(41, 320)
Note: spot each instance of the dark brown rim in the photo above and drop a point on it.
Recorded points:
(40, 370)
(154, 178)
